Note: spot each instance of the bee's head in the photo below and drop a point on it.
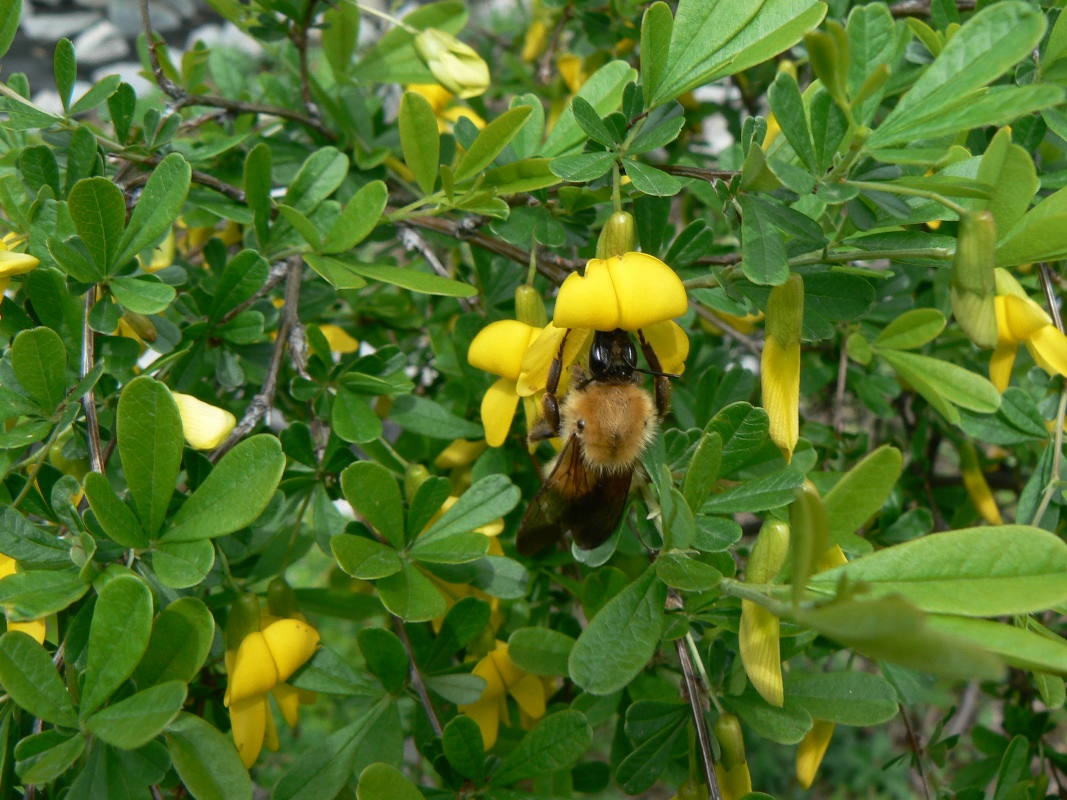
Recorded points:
(612, 356)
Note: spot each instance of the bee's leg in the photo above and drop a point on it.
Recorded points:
(549, 424)
(662, 382)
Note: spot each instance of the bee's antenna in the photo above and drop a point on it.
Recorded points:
(658, 374)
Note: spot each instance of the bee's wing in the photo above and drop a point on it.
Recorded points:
(576, 501)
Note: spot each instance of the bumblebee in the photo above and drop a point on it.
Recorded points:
(606, 422)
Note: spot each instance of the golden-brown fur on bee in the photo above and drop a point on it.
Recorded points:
(613, 423)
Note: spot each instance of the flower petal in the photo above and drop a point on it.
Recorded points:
(248, 719)
(780, 379)
(761, 655)
(647, 291)
(670, 344)
(811, 750)
(533, 372)
(734, 783)
(291, 643)
(499, 347)
(1049, 348)
(12, 263)
(529, 693)
(1024, 317)
(288, 699)
(340, 340)
(254, 670)
(498, 410)
(7, 566)
(487, 714)
(588, 301)
(206, 426)
(459, 453)
(1000, 365)
(34, 627)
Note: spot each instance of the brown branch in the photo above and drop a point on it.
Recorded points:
(749, 343)
(264, 400)
(238, 107)
(300, 41)
(686, 171)
(544, 68)
(921, 8)
(198, 177)
(274, 277)
(413, 240)
(839, 394)
(165, 83)
(416, 677)
(96, 458)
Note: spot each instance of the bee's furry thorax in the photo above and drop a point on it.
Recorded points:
(614, 422)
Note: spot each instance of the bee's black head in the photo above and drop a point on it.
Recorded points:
(612, 356)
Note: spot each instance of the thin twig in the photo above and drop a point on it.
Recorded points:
(1061, 411)
(274, 277)
(264, 400)
(413, 240)
(686, 171)
(300, 41)
(38, 462)
(165, 83)
(96, 457)
(916, 747)
(544, 69)
(416, 677)
(696, 704)
(201, 178)
(921, 8)
(747, 342)
(839, 394)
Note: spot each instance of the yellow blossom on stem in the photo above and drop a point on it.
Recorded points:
(502, 677)
(447, 111)
(780, 363)
(206, 426)
(162, 256)
(340, 340)
(12, 263)
(455, 65)
(760, 631)
(498, 349)
(1022, 321)
(811, 750)
(34, 627)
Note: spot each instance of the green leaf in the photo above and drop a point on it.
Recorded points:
(713, 40)
(29, 676)
(405, 278)
(98, 211)
(157, 207)
(590, 122)
(661, 127)
(845, 698)
(72, 260)
(1017, 420)
(178, 645)
(788, 108)
(682, 572)
(862, 492)
(954, 383)
(100, 91)
(10, 13)
(115, 517)
(121, 106)
(603, 91)
(743, 430)
(622, 637)
(180, 565)
(464, 748)
(340, 36)
(540, 651)
(257, 185)
(455, 548)
(979, 572)
(384, 782)
(492, 139)
(137, 720)
(419, 139)
(892, 629)
(1040, 235)
(703, 470)
(353, 420)
(234, 494)
(118, 637)
(1017, 646)
(304, 226)
(492, 497)
(650, 180)
(206, 760)
(762, 246)
(245, 273)
(425, 417)
(29, 545)
(1010, 170)
(393, 58)
(66, 70)
(409, 595)
(143, 294)
(358, 218)
(322, 172)
(150, 446)
(39, 360)
(364, 558)
(583, 167)
(39, 168)
(991, 42)
(31, 595)
(385, 657)
(375, 495)
(784, 725)
(43, 757)
(656, 28)
(758, 494)
(527, 175)
(912, 329)
(555, 743)
(327, 672)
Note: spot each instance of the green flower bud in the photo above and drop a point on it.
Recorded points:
(141, 325)
(809, 530)
(617, 236)
(785, 311)
(731, 740)
(414, 477)
(243, 620)
(529, 307)
(768, 553)
(973, 285)
(281, 599)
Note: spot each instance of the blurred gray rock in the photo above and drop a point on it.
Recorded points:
(100, 43)
(224, 35)
(129, 71)
(49, 98)
(49, 27)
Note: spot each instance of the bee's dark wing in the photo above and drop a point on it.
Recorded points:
(576, 501)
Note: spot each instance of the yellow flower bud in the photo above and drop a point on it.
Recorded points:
(811, 750)
(459, 453)
(760, 631)
(973, 285)
(733, 783)
(206, 426)
(617, 236)
(809, 530)
(780, 363)
(975, 483)
(455, 65)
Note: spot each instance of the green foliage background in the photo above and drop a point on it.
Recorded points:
(212, 236)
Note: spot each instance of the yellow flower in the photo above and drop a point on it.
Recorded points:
(536, 41)
(339, 339)
(572, 70)
(12, 263)
(262, 663)
(732, 769)
(498, 349)
(206, 426)
(502, 678)
(780, 363)
(631, 291)
(975, 483)
(455, 65)
(1022, 321)
(162, 256)
(448, 113)
(811, 750)
(760, 631)
(459, 453)
(533, 371)
(34, 627)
